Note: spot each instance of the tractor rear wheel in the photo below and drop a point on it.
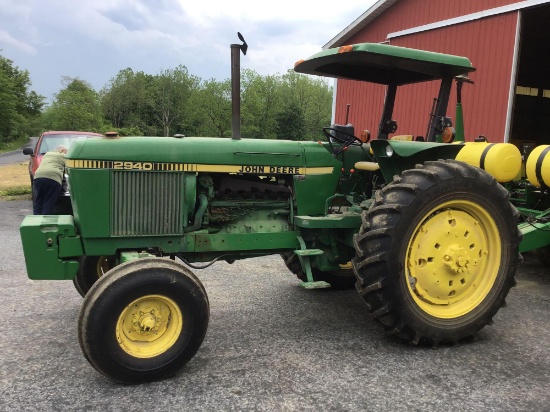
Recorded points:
(338, 279)
(437, 252)
(543, 255)
(90, 270)
(144, 321)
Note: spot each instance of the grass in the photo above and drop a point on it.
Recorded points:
(14, 179)
(16, 191)
(15, 182)
(15, 145)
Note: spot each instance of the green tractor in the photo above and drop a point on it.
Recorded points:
(427, 236)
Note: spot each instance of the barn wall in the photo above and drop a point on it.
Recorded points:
(406, 14)
(488, 43)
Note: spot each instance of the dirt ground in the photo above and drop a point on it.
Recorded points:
(16, 175)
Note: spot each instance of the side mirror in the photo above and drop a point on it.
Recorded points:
(28, 151)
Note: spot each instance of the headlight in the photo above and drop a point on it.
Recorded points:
(389, 151)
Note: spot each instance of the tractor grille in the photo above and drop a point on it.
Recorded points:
(146, 203)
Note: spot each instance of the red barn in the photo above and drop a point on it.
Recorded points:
(507, 41)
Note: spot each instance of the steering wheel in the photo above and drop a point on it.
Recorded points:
(354, 141)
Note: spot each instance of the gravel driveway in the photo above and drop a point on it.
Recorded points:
(273, 346)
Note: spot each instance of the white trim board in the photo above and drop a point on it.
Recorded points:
(334, 92)
(513, 82)
(360, 22)
(469, 17)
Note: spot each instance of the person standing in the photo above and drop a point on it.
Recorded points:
(47, 182)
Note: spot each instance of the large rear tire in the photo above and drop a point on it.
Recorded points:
(338, 279)
(144, 321)
(437, 252)
(543, 255)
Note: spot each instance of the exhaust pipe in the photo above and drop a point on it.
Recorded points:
(236, 86)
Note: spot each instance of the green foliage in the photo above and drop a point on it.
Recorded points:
(151, 105)
(313, 96)
(176, 102)
(261, 101)
(291, 123)
(19, 106)
(15, 191)
(129, 131)
(126, 102)
(268, 100)
(76, 107)
(210, 109)
(8, 113)
(290, 106)
(170, 93)
(13, 144)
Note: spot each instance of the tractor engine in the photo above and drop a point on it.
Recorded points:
(246, 204)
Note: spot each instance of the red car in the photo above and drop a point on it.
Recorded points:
(49, 141)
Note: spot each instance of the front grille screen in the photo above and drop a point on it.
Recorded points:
(146, 203)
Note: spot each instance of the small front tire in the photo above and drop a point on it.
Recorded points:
(144, 321)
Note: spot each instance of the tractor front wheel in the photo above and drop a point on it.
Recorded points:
(437, 253)
(144, 321)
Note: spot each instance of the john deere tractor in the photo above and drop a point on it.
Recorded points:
(427, 236)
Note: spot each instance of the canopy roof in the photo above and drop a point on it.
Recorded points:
(384, 64)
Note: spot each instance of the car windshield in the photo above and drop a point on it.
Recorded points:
(52, 141)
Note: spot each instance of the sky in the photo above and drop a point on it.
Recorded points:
(95, 39)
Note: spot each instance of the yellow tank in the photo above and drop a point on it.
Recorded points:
(500, 160)
(537, 167)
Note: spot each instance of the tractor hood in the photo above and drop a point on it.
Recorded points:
(192, 152)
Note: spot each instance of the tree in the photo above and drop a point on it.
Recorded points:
(171, 90)
(176, 102)
(261, 100)
(290, 123)
(313, 96)
(19, 106)
(126, 101)
(76, 107)
(211, 109)
(9, 117)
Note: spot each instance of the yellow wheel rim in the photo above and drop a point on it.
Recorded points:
(453, 259)
(149, 326)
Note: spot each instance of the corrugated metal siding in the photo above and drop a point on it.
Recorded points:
(489, 43)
